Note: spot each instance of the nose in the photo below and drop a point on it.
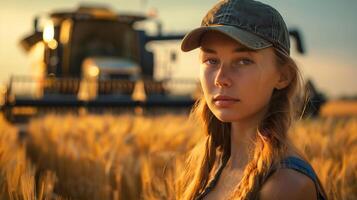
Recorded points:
(222, 78)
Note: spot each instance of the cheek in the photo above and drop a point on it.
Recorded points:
(260, 97)
(256, 90)
(201, 75)
(206, 80)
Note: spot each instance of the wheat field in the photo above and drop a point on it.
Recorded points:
(124, 157)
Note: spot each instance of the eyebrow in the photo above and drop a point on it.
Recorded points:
(236, 50)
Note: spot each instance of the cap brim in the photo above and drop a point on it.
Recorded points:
(192, 40)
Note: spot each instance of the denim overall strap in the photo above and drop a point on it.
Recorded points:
(303, 167)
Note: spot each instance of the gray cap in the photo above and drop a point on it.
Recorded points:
(252, 23)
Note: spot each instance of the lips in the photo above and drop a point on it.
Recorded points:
(224, 101)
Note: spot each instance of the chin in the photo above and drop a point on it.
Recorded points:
(224, 114)
(228, 116)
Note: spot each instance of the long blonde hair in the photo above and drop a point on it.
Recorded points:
(270, 147)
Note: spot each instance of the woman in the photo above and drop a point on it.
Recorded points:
(249, 84)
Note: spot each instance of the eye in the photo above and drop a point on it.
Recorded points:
(243, 62)
(211, 61)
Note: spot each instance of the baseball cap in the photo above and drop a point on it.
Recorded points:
(253, 24)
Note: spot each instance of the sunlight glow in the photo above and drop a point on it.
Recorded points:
(48, 32)
(93, 71)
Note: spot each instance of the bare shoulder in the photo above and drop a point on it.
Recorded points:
(288, 184)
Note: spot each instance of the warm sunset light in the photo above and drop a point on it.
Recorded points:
(178, 100)
(52, 44)
(48, 32)
(93, 71)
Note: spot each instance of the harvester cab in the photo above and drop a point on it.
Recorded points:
(98, 45)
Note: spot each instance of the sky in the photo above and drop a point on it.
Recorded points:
(328, 27)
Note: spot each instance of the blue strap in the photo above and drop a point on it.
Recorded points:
(290, 162)
(299, 165)
(302, 166)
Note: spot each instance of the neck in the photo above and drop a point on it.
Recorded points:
(243, 136)
(242, 139)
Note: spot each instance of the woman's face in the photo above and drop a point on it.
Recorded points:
(237, 82)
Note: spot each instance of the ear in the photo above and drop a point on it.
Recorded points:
(285, 76)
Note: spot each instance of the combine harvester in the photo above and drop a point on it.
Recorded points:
(95, 60)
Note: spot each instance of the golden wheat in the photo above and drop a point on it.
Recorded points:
(17, 173)
(105, 157)
(136, 157)
(331, 147)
